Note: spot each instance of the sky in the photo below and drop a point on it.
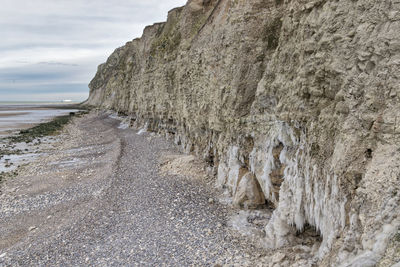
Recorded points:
(50, 49)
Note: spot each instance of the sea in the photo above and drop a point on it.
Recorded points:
(16, 116)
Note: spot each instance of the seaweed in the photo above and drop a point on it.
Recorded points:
(44, 129)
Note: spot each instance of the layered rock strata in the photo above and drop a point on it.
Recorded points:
(295, 103)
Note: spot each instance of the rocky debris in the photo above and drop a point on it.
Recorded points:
(186, 165)
(278, 257)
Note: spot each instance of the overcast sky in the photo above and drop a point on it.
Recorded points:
(50, 49)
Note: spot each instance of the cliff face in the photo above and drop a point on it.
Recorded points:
(295, 102)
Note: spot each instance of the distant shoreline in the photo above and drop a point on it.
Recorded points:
(38, 102)
(17, 117)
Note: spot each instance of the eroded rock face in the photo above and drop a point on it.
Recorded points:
(301, 95)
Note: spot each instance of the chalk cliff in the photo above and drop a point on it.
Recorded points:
(296, 103)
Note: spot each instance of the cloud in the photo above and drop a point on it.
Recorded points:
(55, 63)
(58, 44)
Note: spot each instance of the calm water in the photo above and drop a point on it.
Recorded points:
(16, 116)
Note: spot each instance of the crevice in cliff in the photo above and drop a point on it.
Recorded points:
(271, 34)
(277, 174)
(309, 236)
(216, 4)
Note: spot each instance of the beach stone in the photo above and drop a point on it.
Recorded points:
(278, 257)
(248, 192)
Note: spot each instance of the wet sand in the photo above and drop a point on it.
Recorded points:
(13, 114)
(14, 118)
